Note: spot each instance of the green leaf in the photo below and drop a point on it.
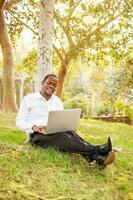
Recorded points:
(83, 6)
(71, 3)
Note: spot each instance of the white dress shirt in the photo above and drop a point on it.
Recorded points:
(34, 110)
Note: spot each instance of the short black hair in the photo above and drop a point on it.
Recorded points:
(45, 78)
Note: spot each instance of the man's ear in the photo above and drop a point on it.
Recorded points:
(42, 81)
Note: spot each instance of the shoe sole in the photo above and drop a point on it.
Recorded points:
(110, 158)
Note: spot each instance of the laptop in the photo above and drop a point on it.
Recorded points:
(59, 121)
(63, 120)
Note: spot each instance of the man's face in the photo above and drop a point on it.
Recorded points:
(49, 86)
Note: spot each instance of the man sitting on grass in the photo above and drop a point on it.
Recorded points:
(32, 118)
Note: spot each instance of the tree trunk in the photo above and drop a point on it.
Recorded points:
(8, 83)
(61, 78)
(45, 43)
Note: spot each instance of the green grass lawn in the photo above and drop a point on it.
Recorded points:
(35, 174)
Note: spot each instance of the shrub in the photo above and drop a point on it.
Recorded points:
(77, 102)
(129, 112)
(103, 110)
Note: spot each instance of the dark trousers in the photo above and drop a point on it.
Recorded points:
(68, 141)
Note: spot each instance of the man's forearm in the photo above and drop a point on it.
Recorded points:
(24, 126)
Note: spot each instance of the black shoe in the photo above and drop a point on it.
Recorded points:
(88, 158)
(105, 148)
(102, 161)
(99, 159)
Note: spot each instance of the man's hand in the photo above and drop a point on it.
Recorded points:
(39, 129)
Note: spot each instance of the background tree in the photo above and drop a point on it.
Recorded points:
(27, 15)
(45, 42)
(87, 26)
(8, 83)
(92, 30)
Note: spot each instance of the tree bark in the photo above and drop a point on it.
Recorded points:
(45, 43)
(61, 77)
(8, 83)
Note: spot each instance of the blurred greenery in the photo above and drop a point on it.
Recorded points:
(29, 63)
(78, 101)
(94, 39)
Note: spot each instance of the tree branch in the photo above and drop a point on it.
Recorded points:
(73, 9)
(27, 26)
(81, 43)
(2, 4)
(10, 3)
(33, 31)
(58, 52)
(69, 38)
(100, 18)
(42, 3)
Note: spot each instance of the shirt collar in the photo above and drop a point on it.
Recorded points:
(39, 96)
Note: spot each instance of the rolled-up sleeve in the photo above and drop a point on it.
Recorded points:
(22, 117)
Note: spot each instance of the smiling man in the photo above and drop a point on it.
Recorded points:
(33, 116)
(35, 107)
